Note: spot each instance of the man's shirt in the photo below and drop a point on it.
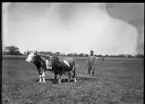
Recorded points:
(91, 61)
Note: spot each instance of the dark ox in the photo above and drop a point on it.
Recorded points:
(60, 66)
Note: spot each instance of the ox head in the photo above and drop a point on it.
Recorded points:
(56, 55)
(30, 57)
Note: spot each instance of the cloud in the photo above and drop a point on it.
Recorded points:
(95, 28)
(140, 40)
(133, 13)
(73, 28)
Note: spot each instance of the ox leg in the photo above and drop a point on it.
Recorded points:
(75, 79)
(93, 72)
(40, 78)
(74, 74)
(55, 76)
(43, 76)
(40, 75)
(59, 80)
(69, 75)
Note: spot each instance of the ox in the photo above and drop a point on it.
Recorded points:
(59, 65)
(41, 64)
(62, 65)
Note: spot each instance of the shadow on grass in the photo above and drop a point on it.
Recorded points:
(83, 78)
(65, 80)
(55, 81)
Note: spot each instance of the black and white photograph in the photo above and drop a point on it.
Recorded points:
(72, 53)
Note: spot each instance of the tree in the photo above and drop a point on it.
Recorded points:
(70, 54)
(106, 55)
(81, 55)
(86, 55)
(12, 50)
(99, 55)
(139, 56)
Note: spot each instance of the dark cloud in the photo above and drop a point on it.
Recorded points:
(140, 44)
(133, 13)
(137, 22)
(109, 5)
(125, 11)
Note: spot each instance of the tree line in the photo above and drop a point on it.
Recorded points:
(13, 50)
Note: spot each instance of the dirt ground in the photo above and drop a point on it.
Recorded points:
(116, 81)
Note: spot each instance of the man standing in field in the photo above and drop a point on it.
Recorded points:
(91, 63)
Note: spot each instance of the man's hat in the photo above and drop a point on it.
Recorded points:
(91, 51)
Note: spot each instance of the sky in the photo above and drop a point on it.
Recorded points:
(75, 27)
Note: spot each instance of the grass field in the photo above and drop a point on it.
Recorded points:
(116, 81)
